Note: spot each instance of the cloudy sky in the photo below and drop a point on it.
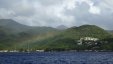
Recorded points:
(59, 12)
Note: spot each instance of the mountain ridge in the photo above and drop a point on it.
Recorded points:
(49, 38)
(61, 27)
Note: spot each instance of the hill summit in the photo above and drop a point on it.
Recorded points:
(91, 36)
(85, 37)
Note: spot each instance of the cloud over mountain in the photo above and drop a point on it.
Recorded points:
(59, 12)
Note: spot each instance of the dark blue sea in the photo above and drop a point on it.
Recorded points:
(57, 58)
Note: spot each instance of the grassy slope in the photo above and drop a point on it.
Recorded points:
(13, 33)
(68, 38)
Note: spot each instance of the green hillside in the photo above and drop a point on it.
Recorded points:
(68, 39)
(13, 33)
(48, 38)
(87, 31)
(15, 27)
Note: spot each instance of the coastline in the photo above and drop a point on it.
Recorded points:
(17, 51)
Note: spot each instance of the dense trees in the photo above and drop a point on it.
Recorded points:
(68, 39)
(51, 39)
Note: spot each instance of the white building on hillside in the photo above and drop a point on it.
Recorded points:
(90, 39)
(87, 39)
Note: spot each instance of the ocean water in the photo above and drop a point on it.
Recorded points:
(57, 58)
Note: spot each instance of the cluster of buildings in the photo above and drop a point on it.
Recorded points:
(81, 41)
(20, 51)
(9, 51)
(88, 40)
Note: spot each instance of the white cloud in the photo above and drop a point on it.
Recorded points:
(94, 10)
(70, 4)
(57, 12)
(106, 6)
(4, 13)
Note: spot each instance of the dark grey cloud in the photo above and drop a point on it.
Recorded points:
(59, 12)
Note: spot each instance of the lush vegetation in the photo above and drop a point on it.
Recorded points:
(68, 39)
(49, 39)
